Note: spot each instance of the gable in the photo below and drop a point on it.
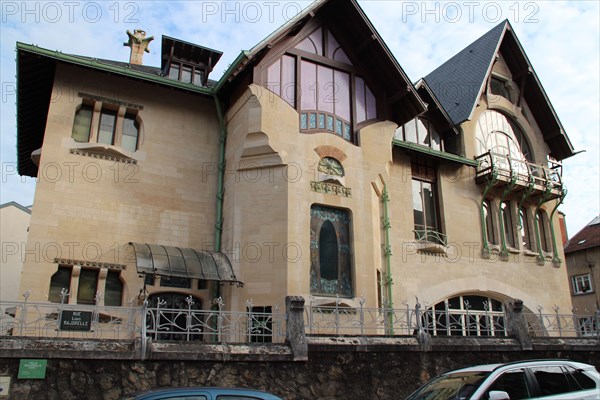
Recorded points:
(358, 40)
(460, 81)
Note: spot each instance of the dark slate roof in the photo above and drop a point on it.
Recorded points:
(140, 68)
(457, 82)
(586, 238)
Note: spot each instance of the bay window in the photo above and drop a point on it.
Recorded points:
(113, 125)
(317, 78)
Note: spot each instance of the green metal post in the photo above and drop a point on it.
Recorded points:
(220, 188)
(556, 260)
(388, 255)
(509, 188)
(545, 197)
(490, 183)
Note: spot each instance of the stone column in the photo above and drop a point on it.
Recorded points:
(295, 334)
(516, 324)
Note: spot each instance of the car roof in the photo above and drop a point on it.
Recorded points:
(208, 390)
(522, 363)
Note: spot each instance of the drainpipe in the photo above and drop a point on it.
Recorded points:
(555, 260)
(220, 184)
(388, 258)
(545, 197)
(221, 174)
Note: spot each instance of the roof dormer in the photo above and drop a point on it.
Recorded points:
(187, 62)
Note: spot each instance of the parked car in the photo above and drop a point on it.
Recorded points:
(550, 379)
(202, 393)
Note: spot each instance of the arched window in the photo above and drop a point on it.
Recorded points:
(507, 224)
(466, 315)
(500, 135)
(330, 96)
(331, 252)
(524, 229)
(542, 223)
(328, 252)
(488, 218)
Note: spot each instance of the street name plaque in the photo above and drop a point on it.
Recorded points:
(75, 320)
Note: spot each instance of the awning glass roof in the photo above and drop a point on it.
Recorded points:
(155, 259)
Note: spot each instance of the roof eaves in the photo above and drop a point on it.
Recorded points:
(124, 71)
(423, 82)
(285, 26)
(243, 57)
(390, 55)
(17, 205)
(543, 91)
(435, 153)
(246, 55)
(488, 71)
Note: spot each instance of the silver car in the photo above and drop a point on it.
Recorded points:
(547, 379)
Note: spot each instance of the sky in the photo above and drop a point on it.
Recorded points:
(561, 39)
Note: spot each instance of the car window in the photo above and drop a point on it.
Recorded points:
(551, 380)
(512, 382)
(235, 397)
(456, 386)
(581, 380)
(184, 397)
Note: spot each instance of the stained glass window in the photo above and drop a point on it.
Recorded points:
(331, 252)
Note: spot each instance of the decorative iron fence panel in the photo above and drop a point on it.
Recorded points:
(43, 319)
(343, 320)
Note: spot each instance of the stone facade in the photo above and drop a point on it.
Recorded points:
(15, 228)
(89, 206)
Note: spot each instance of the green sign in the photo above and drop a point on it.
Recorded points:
(75, 320)
(32, 369)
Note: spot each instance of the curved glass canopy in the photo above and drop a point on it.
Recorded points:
(154, 259)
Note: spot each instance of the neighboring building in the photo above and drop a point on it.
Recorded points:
(313, 167)
(582, 254)
(14, 227)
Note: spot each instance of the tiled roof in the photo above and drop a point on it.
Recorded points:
(586, 238)
(457, 82)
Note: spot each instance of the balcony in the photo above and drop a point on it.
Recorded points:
(503, 170)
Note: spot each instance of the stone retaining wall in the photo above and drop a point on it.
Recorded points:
(337, 368)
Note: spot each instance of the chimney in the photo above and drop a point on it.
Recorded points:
(139, 44)
(562, 221)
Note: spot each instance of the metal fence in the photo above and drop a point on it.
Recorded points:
(339, 319)
(43, 319)
(263, 325)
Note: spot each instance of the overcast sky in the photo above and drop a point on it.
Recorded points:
(561, 39)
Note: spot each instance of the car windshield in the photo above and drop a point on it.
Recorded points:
(454, 386)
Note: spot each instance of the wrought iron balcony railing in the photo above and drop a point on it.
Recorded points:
(524, 174)
(432, 236)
